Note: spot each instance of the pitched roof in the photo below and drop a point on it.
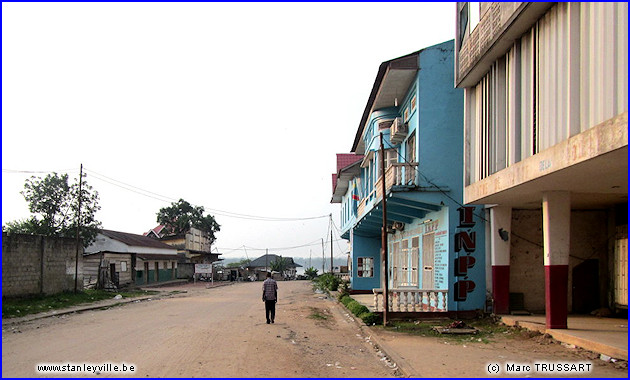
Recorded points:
(347, 159)
(266, 260)
(156, 231)
(135, 240)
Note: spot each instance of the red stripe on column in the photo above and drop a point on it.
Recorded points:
(556, 288)
(501, 288)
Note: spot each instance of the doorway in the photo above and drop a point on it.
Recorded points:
(585, 292)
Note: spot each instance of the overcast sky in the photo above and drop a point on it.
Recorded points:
(236, 107)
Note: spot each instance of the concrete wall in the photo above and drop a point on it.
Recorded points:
(589, 240)
(33, 264)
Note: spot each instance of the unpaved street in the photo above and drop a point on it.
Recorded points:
(221, 332)
(218, 332)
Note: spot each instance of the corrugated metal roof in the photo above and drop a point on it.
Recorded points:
(266, 260)
(135, 240)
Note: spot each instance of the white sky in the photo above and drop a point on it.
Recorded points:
(239, 107)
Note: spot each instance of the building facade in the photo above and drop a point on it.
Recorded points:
(130, 256)
(545, 150)
(435, 244)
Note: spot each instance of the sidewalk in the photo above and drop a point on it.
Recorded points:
(607, 336)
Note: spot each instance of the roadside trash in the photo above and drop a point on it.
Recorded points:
(353, 367)
(456, 327)
(328, 365)
(605, 358)
(118, 296)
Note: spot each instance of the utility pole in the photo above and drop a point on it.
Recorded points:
(267, 259)
(323, 256)
(76, 264)
(331, 245)
(384, 236)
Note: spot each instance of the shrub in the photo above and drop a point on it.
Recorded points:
(357, 309)
(370, 318)
(344, 288)
(345, 300)
(327, 281)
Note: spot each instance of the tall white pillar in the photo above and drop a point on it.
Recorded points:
(556, 246)
(500, 227)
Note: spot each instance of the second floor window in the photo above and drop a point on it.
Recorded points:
(411, 148)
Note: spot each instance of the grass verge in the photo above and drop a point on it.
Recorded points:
(19, 307)
(488, 329)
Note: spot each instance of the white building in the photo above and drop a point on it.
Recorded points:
(546, 147)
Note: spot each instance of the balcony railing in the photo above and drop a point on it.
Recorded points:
(412, 300)
(398, 174)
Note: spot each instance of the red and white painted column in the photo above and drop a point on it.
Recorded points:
(500, 220)
(556, 238)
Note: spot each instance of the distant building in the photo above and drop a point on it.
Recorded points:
(262, 265)
(120, 258)
(194, 246)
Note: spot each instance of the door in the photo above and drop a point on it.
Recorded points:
(427, 260)
(586, 286)
(146, 272)
(112, 274)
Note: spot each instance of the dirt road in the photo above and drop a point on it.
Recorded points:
(218, 332)
(221, 332)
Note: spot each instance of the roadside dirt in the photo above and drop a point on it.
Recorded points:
(219, 332)
(469, 357)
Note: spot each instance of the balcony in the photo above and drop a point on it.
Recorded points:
(397, 175)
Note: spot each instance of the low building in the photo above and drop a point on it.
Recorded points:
(120, 259)
(261, 265)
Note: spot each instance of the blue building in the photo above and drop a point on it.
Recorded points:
(435, 248)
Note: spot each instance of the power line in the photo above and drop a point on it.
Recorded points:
(453, 199)
(13, 171)
(229, 214)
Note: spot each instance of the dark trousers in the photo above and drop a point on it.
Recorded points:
(270, 310)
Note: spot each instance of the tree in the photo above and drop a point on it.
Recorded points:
(239, 264)
(311, 273)
(54, 203)
(280, 264)
(180, 216)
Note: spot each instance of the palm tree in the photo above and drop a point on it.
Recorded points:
(279, 265)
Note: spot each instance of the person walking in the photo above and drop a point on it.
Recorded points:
(270, 297)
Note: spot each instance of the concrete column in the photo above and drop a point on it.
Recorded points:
(556, 238)
(500, 220)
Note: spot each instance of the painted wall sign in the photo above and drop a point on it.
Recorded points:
(466, 241)
(440, 266)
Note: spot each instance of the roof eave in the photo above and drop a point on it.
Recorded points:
(407, 62)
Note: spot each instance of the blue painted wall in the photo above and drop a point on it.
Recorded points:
(437, 122)
(366, 247)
